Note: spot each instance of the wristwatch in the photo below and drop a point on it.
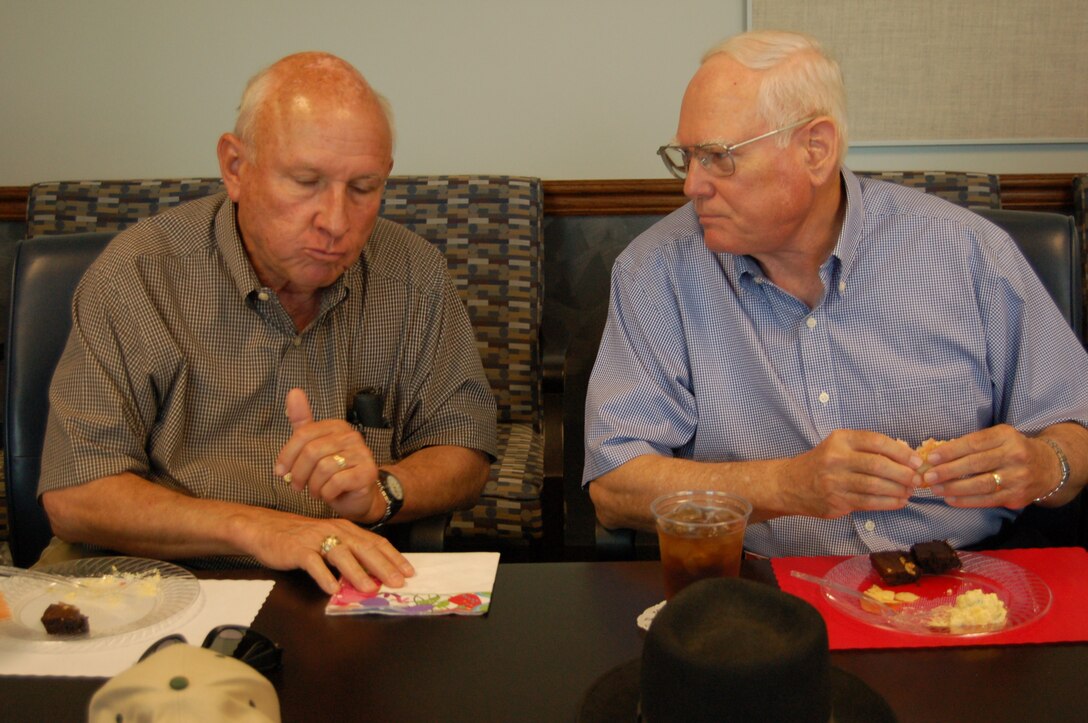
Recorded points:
(393, 493)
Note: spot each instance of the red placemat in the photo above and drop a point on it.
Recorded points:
(1063, 569)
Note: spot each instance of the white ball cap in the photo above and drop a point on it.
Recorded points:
(186, 683)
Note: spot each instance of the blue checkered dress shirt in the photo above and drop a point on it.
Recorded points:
(932, 325)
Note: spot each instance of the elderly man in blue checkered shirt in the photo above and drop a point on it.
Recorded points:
(794, 333)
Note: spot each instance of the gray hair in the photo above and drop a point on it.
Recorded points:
(800, 78)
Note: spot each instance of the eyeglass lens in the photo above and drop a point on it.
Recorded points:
(715, 159)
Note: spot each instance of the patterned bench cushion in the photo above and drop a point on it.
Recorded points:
(962, 189)
(78, 206)
(490, 229)
(510, 507)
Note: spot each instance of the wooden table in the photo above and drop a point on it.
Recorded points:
(552, 630)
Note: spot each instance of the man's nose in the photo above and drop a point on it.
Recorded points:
(697, 181)
(333, 215)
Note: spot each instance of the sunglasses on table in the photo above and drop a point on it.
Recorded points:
(233, 641)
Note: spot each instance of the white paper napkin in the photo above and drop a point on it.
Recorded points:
(445, 583)
(225, 602)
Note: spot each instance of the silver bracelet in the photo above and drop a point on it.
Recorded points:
(1065, 469)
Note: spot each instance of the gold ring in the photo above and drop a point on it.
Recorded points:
(328, 543)
(287, 478)
(997, 483)
(340, 461)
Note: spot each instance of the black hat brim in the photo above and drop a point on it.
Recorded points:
(614, 697)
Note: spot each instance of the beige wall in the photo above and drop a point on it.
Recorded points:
(564, 89)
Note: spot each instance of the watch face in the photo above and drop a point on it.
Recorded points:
(392, 484)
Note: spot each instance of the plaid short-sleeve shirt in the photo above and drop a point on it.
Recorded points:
(179, 361)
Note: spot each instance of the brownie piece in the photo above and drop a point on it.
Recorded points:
(935, 557)
(895, 567)
(64, 619)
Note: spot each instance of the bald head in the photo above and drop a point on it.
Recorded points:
(301, 86)
(305, 170)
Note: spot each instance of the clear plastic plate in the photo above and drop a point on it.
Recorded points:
(1026, 597)
(123, 598)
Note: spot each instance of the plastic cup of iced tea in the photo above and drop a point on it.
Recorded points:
(701, 535)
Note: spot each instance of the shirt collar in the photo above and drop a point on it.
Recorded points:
(846, 248)
(229, 242)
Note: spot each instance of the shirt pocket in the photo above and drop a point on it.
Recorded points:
(380, 442)
(941, 410)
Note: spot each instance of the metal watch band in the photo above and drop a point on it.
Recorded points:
(392, 506)
(1064, 462)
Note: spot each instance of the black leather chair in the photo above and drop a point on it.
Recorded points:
(1052, 246)
(45, 272)
(44, 275)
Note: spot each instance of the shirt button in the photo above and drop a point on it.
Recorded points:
(262, 295)
(759, 279)
(811, 322)
(842, 286)
(824, 396)
(297, 341)
(870, 525)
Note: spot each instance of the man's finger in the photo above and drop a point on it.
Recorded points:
(298, 409)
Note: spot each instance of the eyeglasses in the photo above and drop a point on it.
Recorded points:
(234, 641)
(715, 157)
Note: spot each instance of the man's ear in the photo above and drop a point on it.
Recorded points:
(822, 149)
(231, 153)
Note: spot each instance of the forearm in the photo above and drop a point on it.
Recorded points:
(439, 479)
(129, 514)
(1073, 440)
(622, 497)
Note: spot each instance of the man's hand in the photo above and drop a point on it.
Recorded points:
(132, 515)
(850, 470)
(994, 467)
(284, 542)
(330, 460)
